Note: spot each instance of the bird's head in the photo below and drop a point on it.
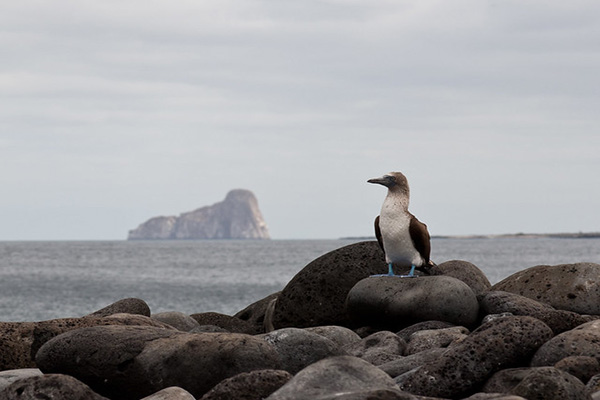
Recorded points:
(394, 181)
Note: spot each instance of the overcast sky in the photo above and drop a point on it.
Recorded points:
(113, 112)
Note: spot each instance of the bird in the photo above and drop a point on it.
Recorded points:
(403, 238)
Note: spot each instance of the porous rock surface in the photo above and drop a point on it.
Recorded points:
(317, 294)
(123, 362)
(49, 386)
(583, 340)
(571, 287)
(498, 302)
(467, 272)
(461, 368)
(333, 376)
(298, 348)
(254, 385)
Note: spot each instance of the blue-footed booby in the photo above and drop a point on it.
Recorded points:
(403, 238)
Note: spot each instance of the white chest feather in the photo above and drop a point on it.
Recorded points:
(394, 223)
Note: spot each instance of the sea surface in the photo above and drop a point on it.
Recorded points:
(46, 280)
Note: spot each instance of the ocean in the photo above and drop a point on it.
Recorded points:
(46, 280)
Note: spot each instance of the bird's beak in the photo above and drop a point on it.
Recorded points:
(384, 180)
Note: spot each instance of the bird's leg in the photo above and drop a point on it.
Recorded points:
(390, 270)
(412, 271)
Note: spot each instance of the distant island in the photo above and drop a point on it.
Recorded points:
(577, 235)
(236, 217)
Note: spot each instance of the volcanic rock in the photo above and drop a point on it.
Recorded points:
(298, 348)
(254, 385)
(12, 375)
(227, 322)
(468, 273)
(236, 217)
(542, 383)
(124, 362)
(329, 378)
(392, 302)
(581, 341)
(317, 294)
(125, 306)
(497, 302)
(50, 386)
(171, 393)
(177, 320)
(378, 348)
(404, 364)
(435, 338)
(339, 335)
(571, 287)
(502, 343)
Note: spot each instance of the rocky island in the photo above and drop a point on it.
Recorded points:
(236, 217)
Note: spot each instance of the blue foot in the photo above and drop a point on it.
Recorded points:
(411, 274)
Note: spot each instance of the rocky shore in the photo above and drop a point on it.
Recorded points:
(334, 332)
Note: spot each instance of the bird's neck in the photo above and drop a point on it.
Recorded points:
(395, 201)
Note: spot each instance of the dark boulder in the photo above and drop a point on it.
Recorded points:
(435, 338)
(177, 320)
(231, 324)
(124, 362)
(329, 378)
(543, 383)
(407, 332)
(125, 306)
(254, 385)
(468, 273)
(298, 348)
(378, 348)
(581, 341)
(392, 302)
(497, 302)
(571, 287)
(257, 314)
(317, 294)
(499, 344)
(50, 386)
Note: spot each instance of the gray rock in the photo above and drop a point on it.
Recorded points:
(494, 396)
(581, 341)
(231, 324)
(391, 301)
(496, 302)
(542, 383)
(12, 375)
(123, 362)
(468, 273)
(337, 334)
(316, 295)
(124, 306)
(333, 376)
(171, 393)
(256, 312)
(51, 386)
(20, 341)
(378, 348)
(298, 348)
(236, 217)
(398, 367)
(177, 320)
(435, 338)
(254, 385)
(571, 287)
(208, 328)
(581, 367)
(407, 332)
(463, 367)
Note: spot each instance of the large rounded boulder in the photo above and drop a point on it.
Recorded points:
(571, 287)
(125, 362)
(316, 295)
(391, 302)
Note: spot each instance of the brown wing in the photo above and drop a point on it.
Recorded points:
(378, 233)
(420, 238)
